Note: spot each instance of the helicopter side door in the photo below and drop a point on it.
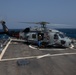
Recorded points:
(32, 37)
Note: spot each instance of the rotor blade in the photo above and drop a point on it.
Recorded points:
(41, 23)
(28, 22)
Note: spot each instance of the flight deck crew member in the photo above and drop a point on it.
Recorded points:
(39, 40)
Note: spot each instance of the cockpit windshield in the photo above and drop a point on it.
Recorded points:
(61, 35)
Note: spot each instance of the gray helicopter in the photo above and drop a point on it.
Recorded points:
(48, 37)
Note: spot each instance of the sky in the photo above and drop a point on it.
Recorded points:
(60, 13)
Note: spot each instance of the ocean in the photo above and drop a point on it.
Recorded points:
(69, 32)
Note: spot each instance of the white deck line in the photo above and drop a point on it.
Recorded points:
(53, 55)
(56, 49)
(52, 49)
(11, 59)
(38, 57)
(18, 40)
(3, 51)
(32, 47)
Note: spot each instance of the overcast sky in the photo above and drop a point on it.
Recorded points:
(60, 13)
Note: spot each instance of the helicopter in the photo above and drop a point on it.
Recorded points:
(48, 37)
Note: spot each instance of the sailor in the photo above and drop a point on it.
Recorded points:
(39, 40)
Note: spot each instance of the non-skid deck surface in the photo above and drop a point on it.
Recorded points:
(52, 62)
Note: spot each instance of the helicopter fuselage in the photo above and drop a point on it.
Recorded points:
(50, 37)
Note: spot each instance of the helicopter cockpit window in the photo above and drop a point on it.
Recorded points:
(62, 35)
(34, 36)
(55, 36)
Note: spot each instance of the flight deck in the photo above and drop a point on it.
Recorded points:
(41, 61)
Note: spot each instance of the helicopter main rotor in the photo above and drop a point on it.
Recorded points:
(43, 24)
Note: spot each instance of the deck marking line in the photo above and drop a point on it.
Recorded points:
(45, 49)
(32, 47)
(61, 54)
(10, 59)
(18, 40)
(3, 51)
(52, 55)
(31, 57)
(72, 46)
(38, 57)
(52, 49)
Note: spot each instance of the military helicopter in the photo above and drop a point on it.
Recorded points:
(48, 37)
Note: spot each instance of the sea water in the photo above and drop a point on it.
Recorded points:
(69, 32)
